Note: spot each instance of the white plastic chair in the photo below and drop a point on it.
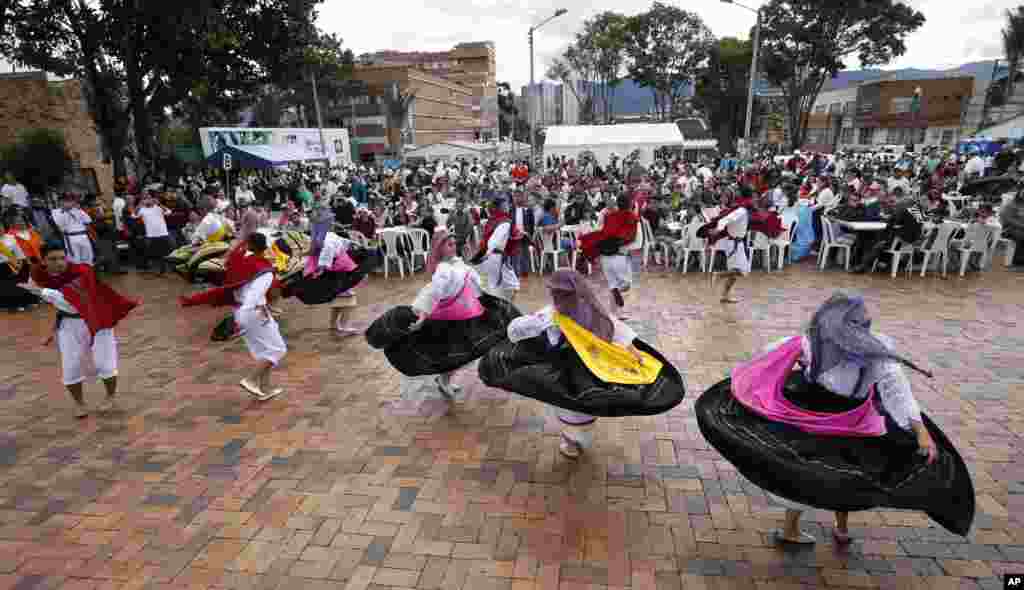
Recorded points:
(638, 242)
(551, 245)
(761, 243)
(420, 246)
(575, 235)
(390, 240)
(651, 247)
(829, 243)
(693, 245)
(939, 247)
(898, 250)
(980, 240)
(783, 243)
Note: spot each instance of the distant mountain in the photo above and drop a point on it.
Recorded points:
(981, 71)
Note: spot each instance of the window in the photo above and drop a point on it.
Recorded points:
(902, 104)
(835, 107)
(820, 108)
(846, 136)
(850, 107)
(865, 136)
(947, 137)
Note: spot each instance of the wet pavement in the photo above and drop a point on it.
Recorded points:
(358, 479)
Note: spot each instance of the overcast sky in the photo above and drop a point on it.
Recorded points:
(955, 32)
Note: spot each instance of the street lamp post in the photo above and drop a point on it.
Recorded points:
(530, 93)
(753, 69)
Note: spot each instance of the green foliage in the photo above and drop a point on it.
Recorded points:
(39, 159)
(597, 58)
(143, 61)
(721, 89)
(805, 42)
(666, 47)
(1013, 42)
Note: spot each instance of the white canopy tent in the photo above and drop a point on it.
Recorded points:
(604, 140)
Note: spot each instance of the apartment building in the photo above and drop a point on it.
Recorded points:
(471, 65)
(887, 112)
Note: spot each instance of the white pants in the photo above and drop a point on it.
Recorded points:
(80, 360)
(618, 271)
(80, 249)
(576, 426)
(496, 271)
(737, 258)
(262, 337)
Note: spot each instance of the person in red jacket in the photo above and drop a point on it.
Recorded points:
(87, 311)
(611, 243)
(248, 279)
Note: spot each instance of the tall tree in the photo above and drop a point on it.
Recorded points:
(204, 58)
(806, 42)
(603, 41)
(507, 110)
(1013, 44)
(666, 47)
(571, 73)
(721, 89)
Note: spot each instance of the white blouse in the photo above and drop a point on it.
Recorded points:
(71, 221)
(448, 280)
(888, 377)
(499, 239)
(333, 245)
(735, 223)
(530, 326)
(253, 295)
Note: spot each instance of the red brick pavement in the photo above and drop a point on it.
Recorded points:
(347, 481)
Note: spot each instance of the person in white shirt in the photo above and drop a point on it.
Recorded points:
(14, 192)
(72, 223)
(158, 239)
(118, 206)
(733, 228)
(244, 196)
(258, 327)
(975, 167)
(502, 280)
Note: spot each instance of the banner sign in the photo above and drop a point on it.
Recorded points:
(308, 139)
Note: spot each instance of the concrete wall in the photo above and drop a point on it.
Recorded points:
(28, 101)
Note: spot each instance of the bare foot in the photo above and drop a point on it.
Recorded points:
(81, 411)
(730, 300)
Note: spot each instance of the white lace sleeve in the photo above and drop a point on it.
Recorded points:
(896, 396)
(530, 326)
(424, 302)
(624, 335)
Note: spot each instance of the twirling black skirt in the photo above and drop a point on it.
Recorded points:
(326, 287)
(439, 346)
(838, 473)
(11, 295)
(559, 377)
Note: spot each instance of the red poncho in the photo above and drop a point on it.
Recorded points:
(617, 224)
(765, 222)
(239, 271)
(515, 236)
(100, 306)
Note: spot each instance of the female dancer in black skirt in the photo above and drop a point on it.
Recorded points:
(843, 433)
(451, 323)
(544, 362)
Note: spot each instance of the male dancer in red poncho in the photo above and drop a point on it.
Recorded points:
(732, 227)
(87, 311)
(501, 242)
(611, 243)
(248, 278)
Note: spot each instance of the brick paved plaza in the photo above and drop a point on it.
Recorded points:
(357, 479)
